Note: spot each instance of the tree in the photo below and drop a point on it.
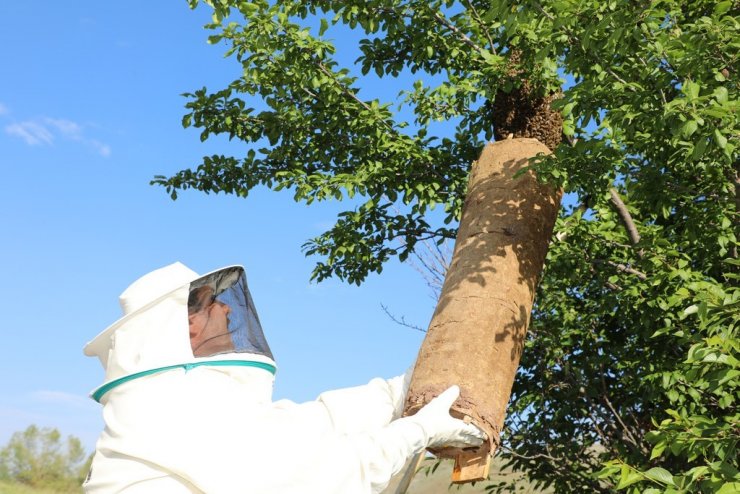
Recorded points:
(630, 374)
(39, 458)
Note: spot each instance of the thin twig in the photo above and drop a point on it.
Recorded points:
(446, 23)
(538, 456)
(434, 265)
(660, 90)
(632, 438)
(623, 268)
(457, 32)
(573, 39)
(627, 269)
(310, 93)
(604, 395)
(401, 321)
(345, 89)
(481, 25)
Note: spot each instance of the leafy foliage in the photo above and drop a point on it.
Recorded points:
(41, 459)
(630, 376)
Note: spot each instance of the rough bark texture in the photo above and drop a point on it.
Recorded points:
(476, 335)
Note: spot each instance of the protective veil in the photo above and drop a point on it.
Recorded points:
(187, 403)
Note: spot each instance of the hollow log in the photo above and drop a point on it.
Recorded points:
(476, 335)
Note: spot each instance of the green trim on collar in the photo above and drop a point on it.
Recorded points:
(98, 394)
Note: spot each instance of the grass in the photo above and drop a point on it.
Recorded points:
(16, 488)
(424, 482)
(438, 482)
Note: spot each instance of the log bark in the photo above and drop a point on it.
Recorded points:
(476, 335)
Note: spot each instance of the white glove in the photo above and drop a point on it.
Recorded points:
(441, 429)
(387, 449)
(398, 387)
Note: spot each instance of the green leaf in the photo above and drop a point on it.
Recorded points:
(720, 139)
(660, 475)
(721, 95)
(722, 7)
(692, 89)
(607, 471)
(689, 127)
(697, 472)
(699, 148)
(658, 449)
(628, 477)
(324, 26)
(692, 309)
(729, 488)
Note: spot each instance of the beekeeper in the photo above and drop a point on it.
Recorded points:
(187, 404)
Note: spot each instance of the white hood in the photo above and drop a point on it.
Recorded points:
(153, 334)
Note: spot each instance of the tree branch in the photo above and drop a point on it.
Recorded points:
(481, 24)
(458, 33)
(631, 437)
(401, 321)
(345, 89)
(573, 40)
(434, 265)
(627, 269)
(627, 431)
(625, 216)
(538, 456)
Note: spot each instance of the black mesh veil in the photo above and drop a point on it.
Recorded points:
(222, 317)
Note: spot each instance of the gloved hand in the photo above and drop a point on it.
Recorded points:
(398, 387)
(440, 428)
(387, 449)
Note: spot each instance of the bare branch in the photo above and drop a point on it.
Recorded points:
(434, 265)
(628, 431)
(624, 214)
(623, 268)
(631, 438)
(310, 93)
(401, 321)
(627, 269)
(538, 456)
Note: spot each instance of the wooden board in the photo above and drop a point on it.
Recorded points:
(472, 466)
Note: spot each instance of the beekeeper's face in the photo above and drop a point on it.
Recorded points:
(209, 323)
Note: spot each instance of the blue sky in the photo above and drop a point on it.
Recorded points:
(90, 111)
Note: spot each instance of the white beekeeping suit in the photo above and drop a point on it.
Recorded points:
(187, 404)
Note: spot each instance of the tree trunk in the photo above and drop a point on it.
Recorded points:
(477, 332)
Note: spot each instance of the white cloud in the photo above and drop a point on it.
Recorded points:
(3, 109)
(44, 131)
(102, 148)
(65, 127)
(33, 133)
